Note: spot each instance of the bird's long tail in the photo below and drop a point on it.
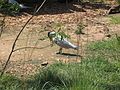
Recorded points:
(76, 48)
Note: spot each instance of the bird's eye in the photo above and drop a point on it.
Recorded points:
(53, 35)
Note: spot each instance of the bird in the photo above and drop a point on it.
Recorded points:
(60, 41)
(20, 5)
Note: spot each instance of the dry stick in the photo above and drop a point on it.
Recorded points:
(3, 25)
(107, 13)
(36, 44)
(82, 52)
(78, 44)
(14, 44)
(78, 37)
(32, 47)
(87, 40)
(26, 43)
(67, 29)
(30, 55)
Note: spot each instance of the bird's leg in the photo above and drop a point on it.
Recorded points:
(60, 51)
(52, 43)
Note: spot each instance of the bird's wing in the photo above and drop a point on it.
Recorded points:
(65, 43)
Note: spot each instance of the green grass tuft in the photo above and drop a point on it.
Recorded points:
(8, 82)
(115, 19)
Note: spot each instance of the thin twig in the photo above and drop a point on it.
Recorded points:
(26, 44)
(37, 43)
(14, 43)
(78, 44)
(107, 13)
(2, 25)
(31, 47)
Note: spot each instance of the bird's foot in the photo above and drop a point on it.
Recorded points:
(59, 53)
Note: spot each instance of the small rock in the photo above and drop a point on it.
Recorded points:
(108, 35)
(44, 64)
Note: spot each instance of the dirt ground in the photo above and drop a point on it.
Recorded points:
(33, 47)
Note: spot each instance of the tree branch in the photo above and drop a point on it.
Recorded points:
(31, 47)
(14, 43)
(2, 25)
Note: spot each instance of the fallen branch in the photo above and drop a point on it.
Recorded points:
(14, 43)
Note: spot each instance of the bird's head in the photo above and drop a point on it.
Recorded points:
(51, 35)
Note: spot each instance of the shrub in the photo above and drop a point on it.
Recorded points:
(9, 8)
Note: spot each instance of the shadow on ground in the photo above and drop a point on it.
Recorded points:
(59, 8)
(69, 54)
(97, 5)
